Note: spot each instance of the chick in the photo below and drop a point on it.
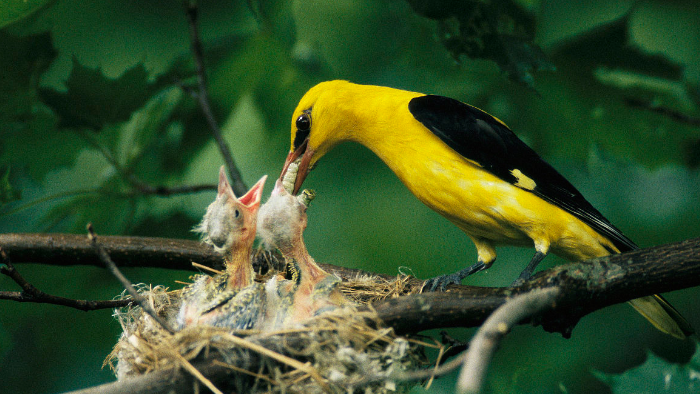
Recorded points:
(311, 290)
(231, 299)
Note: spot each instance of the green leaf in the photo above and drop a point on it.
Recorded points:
(8, 193)
(502, 32)
(137, 135)
(93, 100)
(14, 10)
(610, 46)
(599, 71)
(656, 375)
(28, 136)
(23, 61)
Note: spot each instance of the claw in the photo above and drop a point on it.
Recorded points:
(440, 282)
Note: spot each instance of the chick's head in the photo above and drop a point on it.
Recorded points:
(230, 221)
(283, 219)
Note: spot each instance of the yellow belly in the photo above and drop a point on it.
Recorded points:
(489, 210)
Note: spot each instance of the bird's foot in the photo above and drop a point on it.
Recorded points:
(527, 272)
(439, 283)
(524, 277)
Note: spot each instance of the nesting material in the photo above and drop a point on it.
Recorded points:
(339, 351)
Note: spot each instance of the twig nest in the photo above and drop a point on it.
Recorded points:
(342, 350)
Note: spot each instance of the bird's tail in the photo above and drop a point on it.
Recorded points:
(663, 316)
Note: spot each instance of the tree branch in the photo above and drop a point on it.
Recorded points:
(30, 293)
(104, 257)
(585, 287)
(600, 282)
(666, 111)
(177, 254)
(192, 12)
(72, 249)
(139, 187)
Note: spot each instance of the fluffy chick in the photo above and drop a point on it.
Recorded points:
(232, 299)
(311, 290)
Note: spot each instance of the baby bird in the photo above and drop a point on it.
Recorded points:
(231, 299)
(311, 290)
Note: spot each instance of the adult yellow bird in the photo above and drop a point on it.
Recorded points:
(472, 169)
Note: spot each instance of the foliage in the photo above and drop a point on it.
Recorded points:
(500, 31)
(14, 10)
(657, 375)
(97, 108)
(92, 100)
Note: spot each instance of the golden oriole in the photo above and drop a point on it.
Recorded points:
(472, 169)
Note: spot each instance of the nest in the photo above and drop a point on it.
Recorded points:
(342, 351)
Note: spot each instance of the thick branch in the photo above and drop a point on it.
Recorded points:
(178, 254)
(586, 286)
(71, 249)
(583, 287)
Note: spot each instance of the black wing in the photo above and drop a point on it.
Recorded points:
(478, 136)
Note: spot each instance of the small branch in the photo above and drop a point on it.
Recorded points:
(164, 191)
(83, 305)
(483, 346)
(666, 111)
(146, 307)
(124, 281)
(30, 293)
(191, 10)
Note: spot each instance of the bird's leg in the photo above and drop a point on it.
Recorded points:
(527, 272)
(440, 282)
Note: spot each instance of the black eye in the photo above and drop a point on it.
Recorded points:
(303, 127)
(236, 213)
(303, 123)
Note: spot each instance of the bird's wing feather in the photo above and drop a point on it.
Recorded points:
(484, 139)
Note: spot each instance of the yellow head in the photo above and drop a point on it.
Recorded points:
(320, 121)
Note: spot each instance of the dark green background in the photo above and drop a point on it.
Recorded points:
(636, 166)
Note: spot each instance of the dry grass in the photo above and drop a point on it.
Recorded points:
(344, 350)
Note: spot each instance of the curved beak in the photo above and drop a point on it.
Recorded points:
(303, 169)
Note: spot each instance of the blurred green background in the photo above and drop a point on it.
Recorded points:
(84, 81)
